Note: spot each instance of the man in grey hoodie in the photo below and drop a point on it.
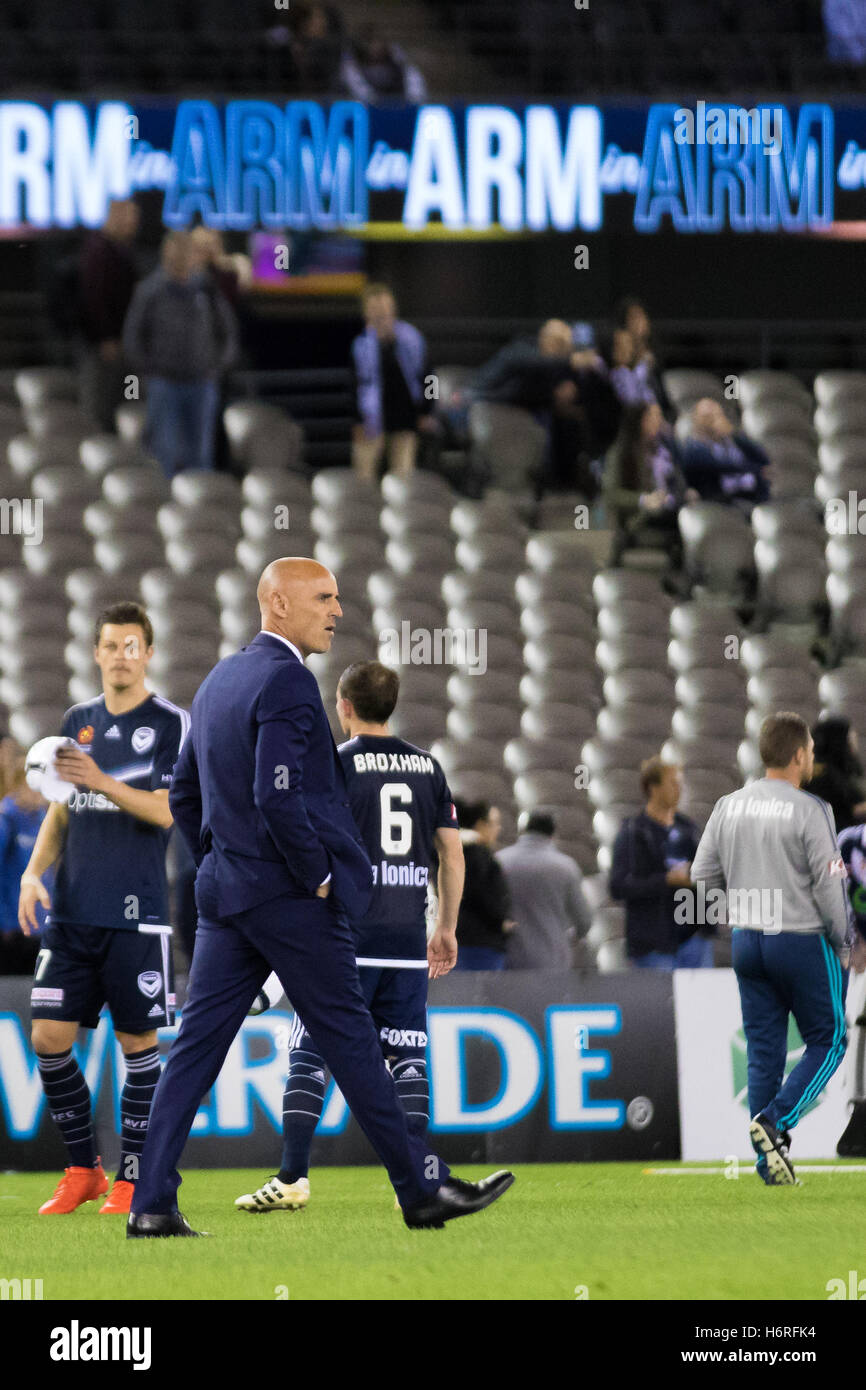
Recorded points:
(547, 900)
(771, 849)
(181, 335)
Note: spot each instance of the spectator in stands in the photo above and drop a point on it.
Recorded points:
(181, 334)
(389, 363)
(566, 389)
(484, 919)
(230, 274)
(838, 773)
(373, 68)
(21, 814)
(639, 354)
(652, 857)
(721, 463)
(644, 486)
(316, 44)
(107, 275)
(546, 895)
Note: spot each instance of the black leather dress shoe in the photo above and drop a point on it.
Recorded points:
(456, 1197)
(145, 1227)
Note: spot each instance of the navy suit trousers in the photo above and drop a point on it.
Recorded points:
(308, 942)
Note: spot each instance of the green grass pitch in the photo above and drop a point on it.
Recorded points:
(610, 1229)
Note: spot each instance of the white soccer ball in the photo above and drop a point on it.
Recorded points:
(42, 776)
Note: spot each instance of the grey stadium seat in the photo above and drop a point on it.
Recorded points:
(764, 385)
(508, 440)
(123, 486)
(431, 555)
(334, 485)
(261, 435)
(557, 720)
(36, 385)
(26, 455)
(419, 486)
(459, 587)
(832, 386)
(100, 453)
(483, 721)
(717, 544)
(495, 687)
(200, 553)
(274, 487)
(126, 553)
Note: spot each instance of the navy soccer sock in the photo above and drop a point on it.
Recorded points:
(413, 1091)
(303, 1100)
(69, 1105)
(142, 1074)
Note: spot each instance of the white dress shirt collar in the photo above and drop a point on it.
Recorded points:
(281, 638)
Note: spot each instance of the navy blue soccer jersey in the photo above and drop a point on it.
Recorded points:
(111, 872)
(399, 798)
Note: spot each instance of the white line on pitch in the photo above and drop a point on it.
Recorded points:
(714, 1172)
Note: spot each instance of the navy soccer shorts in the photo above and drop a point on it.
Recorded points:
(81, 968)
(397, 1000)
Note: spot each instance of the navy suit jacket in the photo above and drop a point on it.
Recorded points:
(259, 793)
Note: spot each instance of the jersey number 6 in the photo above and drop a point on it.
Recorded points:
(396, 825)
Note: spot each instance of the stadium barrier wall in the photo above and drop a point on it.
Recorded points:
(525, 1066)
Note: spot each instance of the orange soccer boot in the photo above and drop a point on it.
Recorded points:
(119, 1199)
(77, 1186)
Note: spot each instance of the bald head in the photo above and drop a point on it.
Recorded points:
(298, 599)
(554, 338)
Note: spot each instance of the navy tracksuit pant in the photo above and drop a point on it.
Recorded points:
(781, 974)
(310, 946)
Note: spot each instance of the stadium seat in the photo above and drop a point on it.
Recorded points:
(508, 442)
(634, 721)
(100, 453)
(104, 519)
(558, 550)
(558, 652)
(723, 684)
(127, 485)
(197, 554)
(420, 486)
(718, 545)
(354, 555)
(617, 623)
(418, 724)
(51, 418)
(484, 721)
(541, 620)
(459, 587)
(600, 754)
(176, 520)
(386, 587)
(685, 385)
(779, 416)
(638, 687)
(522, 755)
(771, 520)
(430, 555)
(34, 721)
(57, 554)
(495, 687)
(261, 435)
(34, 386)
(331, 486)
(353, 514)
(126, 553)
(534, 589)
(833, 386)
(417, 614)
(579, 688)
(758, 386)
(557, 720)
(551, 788)
(89, 589)
(631, 651)
(710, 719)
(27, 456)
(455, 756)
(273, 487)
(845, 416)
(468, 519)
(501, 554)
(161, 587)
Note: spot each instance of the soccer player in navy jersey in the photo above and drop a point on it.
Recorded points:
(107, 936)
(404, 810)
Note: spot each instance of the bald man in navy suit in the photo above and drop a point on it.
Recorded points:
(259, 795)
